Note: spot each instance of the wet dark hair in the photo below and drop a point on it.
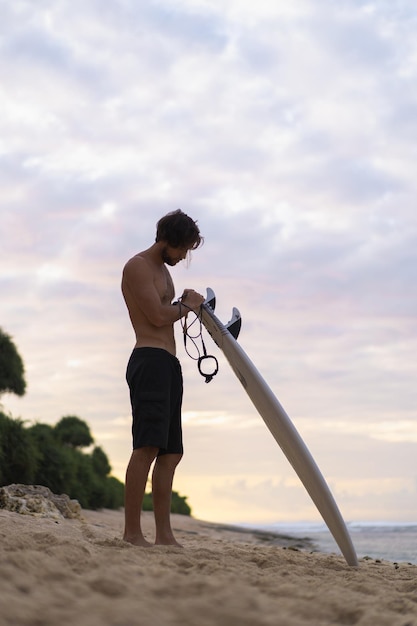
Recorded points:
(179, 231)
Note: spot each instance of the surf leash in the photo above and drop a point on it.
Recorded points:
(210, 372)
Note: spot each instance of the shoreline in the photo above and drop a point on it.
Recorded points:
(80, 571)
(235, 532)
(187, 526)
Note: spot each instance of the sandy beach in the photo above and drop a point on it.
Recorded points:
(79, 571)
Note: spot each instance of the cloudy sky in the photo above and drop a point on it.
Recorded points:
(289, 131)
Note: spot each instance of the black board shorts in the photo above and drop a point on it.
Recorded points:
(155, 383)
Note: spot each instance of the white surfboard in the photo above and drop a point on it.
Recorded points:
(278, 422)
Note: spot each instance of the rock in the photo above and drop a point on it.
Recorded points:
(39, 501)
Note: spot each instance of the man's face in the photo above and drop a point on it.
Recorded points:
(171, 256)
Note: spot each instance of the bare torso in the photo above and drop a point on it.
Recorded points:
(148, 290)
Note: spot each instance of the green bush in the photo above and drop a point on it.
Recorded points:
(115, 493)
(51, 456)
(100, 462)
(74, 432)
(55, 467)
(18, 454)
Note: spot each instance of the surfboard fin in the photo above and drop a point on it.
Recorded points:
(235, 323)
(210, 298)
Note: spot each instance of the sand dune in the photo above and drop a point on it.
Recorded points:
(79, 572)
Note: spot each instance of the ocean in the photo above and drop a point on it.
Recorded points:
(388, 541)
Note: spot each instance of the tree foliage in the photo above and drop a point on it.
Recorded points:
(51, 456)
(73, 432)
(100, 462)
(12, 371)
(55, 467)
(18, 454)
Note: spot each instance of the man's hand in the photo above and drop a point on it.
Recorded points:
(192, 299)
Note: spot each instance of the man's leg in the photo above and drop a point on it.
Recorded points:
(162, 478)
(136, 476)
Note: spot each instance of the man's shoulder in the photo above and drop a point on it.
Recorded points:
(136, 264)
(136, 258)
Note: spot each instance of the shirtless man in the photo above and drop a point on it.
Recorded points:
(154, 373)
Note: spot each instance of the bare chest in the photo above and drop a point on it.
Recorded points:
(164, 286)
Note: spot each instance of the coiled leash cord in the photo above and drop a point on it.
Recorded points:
(194, 339)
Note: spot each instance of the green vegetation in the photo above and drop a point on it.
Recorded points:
(12, 371)
(53, 456)
(18, 454)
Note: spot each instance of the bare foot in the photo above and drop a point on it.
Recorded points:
(138, 540)
(168, 541)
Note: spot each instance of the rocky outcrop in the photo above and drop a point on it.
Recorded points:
(38, 501)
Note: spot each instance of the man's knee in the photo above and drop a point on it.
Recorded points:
(169, 460)
(148, 453)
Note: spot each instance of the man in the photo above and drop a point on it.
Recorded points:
(154, 373)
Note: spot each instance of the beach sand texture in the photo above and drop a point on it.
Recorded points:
(79, 572)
